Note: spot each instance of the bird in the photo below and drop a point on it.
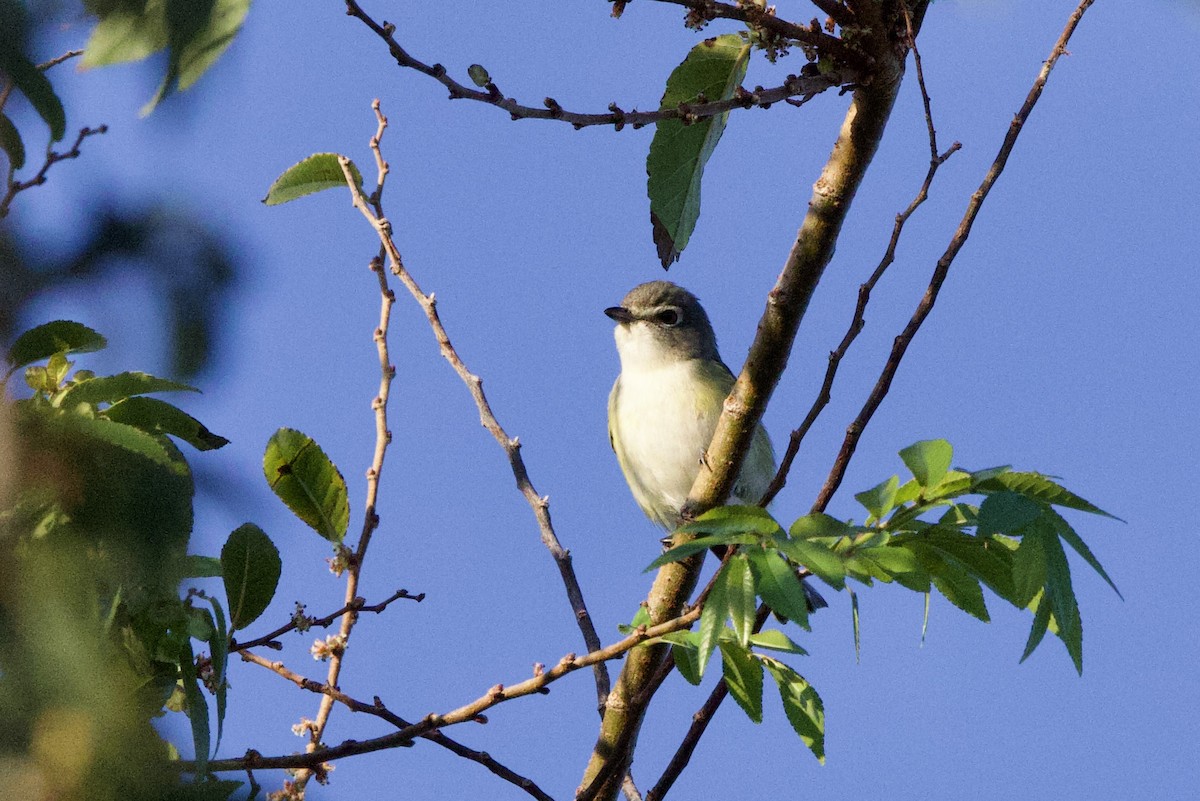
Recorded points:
(665, 403)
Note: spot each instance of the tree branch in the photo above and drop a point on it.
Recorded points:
(925, 306)
(617, 117)
(304, 623)
(511, 445)
(832, 195)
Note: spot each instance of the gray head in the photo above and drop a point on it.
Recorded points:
(660, 321)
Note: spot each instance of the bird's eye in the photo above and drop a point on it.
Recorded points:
(668, 317)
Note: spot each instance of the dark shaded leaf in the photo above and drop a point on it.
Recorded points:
(951, 579)
(201, 566)
(778, 585)
(713, 69)
(60, 336)
(1060, 597)
(1076, 542)
(250, 566)
(801, 704)
(31, 82)
(1006, 513)
(687, 660)
(10, 142)
(1039, 488)
(159, 417)
(197, 706)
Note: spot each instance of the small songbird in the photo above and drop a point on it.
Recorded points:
(665, 404)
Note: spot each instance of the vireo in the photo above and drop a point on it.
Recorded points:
(665, 404)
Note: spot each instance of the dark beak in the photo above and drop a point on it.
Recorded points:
(620, 314)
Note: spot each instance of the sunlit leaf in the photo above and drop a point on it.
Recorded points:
(112, 388)
(308, 482)
(159, 417)
(801, 704)
(741, 598)
(1039, 488)
(819, 525)
(776, 640)
(928, 460)
(318, 172)
(880, 499)
(713, 616)
(821, 561)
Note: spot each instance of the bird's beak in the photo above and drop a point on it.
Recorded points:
(620, 314)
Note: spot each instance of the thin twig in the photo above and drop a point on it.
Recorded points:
(616, 116)
(900, 346)
(379, 710)
(858, 321)
(54, 62)
(383, 437)
(305, 623)
(511, 445)
(470, 712)
(52, 157)
(841, 16)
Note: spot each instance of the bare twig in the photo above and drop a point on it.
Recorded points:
(616, 116)
(378, 709)
(880, 390)
(470, 712)
(383, 438)
(511, 445)
(858, 320)
(54, 62)
(53, 157)
(304, 623)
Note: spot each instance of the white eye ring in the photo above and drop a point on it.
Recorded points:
(670, 316)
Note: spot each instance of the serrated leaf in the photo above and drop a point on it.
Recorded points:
(743, 676)
(734, 520)
(712, 617)
(776, 640)
(1029, 569)
(819, 525)
(951, 579)
(250, 567)
(801, 704)
(308, 482)
(1041, 622)
(1039, 488)
(129, 438)
(59, 336)
(1080, 547)
(1006, 513)
(318, 172)
(928, 460)
(820, 561)
(898, 563)
(693, 547)
(985, 559)
(687, 660)
(880, 499)
(159, 417)
(713, 69)
(113, 388)
(1059, 594)
(10, 143)
(741, 598)
(779, 586)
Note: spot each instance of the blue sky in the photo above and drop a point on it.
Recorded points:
(1064, 341)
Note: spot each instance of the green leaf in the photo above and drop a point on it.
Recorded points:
(1006, 513)
(1039, 488)
(10, 143)
(776, 640)
(819, 524)
(1075, 541)
(33, 83)
(250, 566)
(928, 460)
(194, 32)
(197, 706)
(220, 662)
(951, 579)
(687, 660)
(723, 520)
(741, 598)
(713, 69)
(1059, 595)
(318, 172)
(159, 417)
(113, 388)
(880, 499)
(308, 482)
(855, 622)
(986, 559)
(801, 704)
(1041, 622)
(778, 585)
(713, 616)
(693, 547)
(201, 566)
(129, 438)
(822, 562)
(60, 336)
(1029, 569)
(743, 676)
(898, 563)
